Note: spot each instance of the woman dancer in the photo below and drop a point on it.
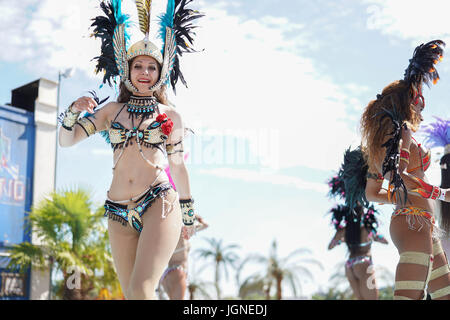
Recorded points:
(142, 129)
(388, 122)
(358, 229)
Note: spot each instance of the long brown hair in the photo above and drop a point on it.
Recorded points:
(397, 95)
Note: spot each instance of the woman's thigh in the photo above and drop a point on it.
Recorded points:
(124, 242)
(354, 282)
(367, 287)
(157, 242)
(407, 240)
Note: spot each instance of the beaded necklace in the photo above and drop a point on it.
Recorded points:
(143, 107)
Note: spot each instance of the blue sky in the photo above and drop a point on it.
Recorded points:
(280, 87)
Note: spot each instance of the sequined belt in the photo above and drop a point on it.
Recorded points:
(120, 212)
(408, 211)
(357, 260)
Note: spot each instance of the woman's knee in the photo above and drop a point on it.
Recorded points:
(141, 291)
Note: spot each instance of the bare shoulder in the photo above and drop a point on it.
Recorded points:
(171, 112)
(110, 109)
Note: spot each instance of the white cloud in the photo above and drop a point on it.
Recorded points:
(266, 177)
(251, 76)
(410, 19)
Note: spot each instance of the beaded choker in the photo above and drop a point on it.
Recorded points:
(142, 106)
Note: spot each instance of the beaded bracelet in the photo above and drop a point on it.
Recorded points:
(187, 211)
(70, 118)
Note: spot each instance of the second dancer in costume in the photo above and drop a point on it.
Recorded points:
(355, 225)
(387, 125)
(174, 280)
(142, 129)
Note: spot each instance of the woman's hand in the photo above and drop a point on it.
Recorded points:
(188, 231)
(84, 104)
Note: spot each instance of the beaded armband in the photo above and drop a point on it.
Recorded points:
(404, 155)
(187, 211)
(69, 118)
(87, 125)
(174, 148)
(378, 177)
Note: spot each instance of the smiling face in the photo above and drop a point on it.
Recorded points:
(144, 73)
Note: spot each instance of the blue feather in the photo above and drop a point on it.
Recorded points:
(105, 135)
(166, 19)
(120, 17)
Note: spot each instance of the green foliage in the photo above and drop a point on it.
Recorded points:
(70, 235)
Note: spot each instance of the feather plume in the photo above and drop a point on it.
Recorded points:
(339, 216)
(144, 8)
(370, 220)
(179, 18)
(103, 28)
(354, 174)
(438, 133)
(337, 187)
(392, 145)
(421, 65)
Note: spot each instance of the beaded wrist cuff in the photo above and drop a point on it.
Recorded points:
(174, 148)
(70, 118)
(187, 211)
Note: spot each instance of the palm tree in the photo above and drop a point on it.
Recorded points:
(73, 242)
(222, 256)
(254, 288)
(281, 269)
(198, 287)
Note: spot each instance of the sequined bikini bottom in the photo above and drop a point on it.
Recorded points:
(417, 218)
(133, 216)
(357, 260)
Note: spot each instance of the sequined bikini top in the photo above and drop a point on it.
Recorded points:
(425, 162)
(425, 159)
(153, 136)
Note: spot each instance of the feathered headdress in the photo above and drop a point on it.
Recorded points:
(421, 65)
(354, 174)
(175, 30)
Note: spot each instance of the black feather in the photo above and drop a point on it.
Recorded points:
(337, 187)
(183, 31)
(354, 174)
(421, 65)
(339, 215)
(104, 30)
(392, 145)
